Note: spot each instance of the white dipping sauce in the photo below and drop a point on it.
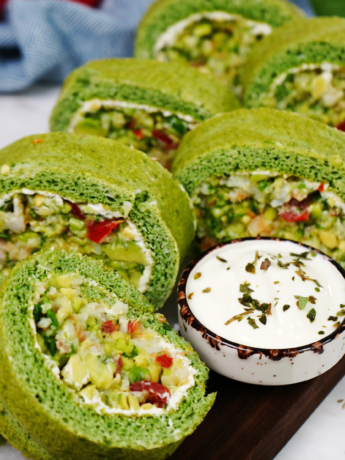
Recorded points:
(283, 329)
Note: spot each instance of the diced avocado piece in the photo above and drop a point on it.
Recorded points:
(101, 375)
(77, 303)
(129, 270)
(75, 373)
(127, 251)
(155, 372)
(316, 210)
(41, 343)
(142, 360)
(34, 238)
(270, 213)
(119, 400)
(128, 348)
(133, 402)
(127, 363)
(90, 126)
(64, 281)
(137, 374)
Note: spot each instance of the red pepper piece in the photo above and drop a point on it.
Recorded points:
(295, 215)
(341, 126)
(108, 327)
(296, 211)
(164, 361)
(76, 211)
(119, 366)
(161, 136)
(156, 393)
(133, 326)
(98, 231)
(138, 133)
(321, 187)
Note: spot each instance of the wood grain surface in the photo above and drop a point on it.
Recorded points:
(250, 422)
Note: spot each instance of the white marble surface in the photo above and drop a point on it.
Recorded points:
(321, 437)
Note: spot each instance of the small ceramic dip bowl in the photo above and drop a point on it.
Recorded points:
(264, 311)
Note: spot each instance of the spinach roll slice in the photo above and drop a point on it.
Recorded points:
(264, 172)
(214, 36)
(88, 370)
(97, 197)
(147, 105)
(301, 68)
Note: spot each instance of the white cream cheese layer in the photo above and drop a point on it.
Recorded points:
(301, 311)
(100, 210)
(169, 37)
(94, 105)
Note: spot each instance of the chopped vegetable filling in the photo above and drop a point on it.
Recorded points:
(316, 93)
(217, 45)
(151, 131)
(29, 222)
(107, 360)
(262, 204)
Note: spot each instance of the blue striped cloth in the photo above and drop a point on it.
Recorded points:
(47, 39)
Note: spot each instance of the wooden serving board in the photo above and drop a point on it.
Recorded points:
(249, 422)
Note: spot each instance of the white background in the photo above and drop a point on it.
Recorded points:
(322, 437)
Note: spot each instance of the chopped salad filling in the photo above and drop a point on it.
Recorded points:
(316, 92)
(215, 43)
(150, 130)
(110, 361)
(263, 204)
(32, 221)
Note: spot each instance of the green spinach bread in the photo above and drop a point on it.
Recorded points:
(97, 197)
(301, 68)
(148, 105)
(264, 172)
(215, 36)
(88, 371)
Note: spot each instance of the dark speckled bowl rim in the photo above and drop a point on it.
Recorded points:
(245, 351)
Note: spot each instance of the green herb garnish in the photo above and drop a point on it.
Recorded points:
(252, 323)
(38, 314)
(333, 318)
(50, 343)
(238, 317)
(250, 267)
(206, 290)
(301, 302)
(245, 287)
(286, 307)
(317, 289)
(222, 260)
(303, 255)
(311, 315)
(302, 274)
(263, 319)
(53, 317)
(282, 265)
(197, 276)
(33, 214)
(321, 332)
